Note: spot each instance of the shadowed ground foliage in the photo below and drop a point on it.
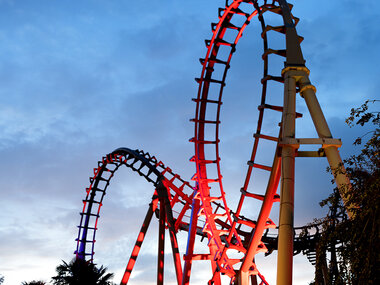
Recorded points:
(80, 272)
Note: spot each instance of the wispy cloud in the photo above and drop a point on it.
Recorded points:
(79, 79)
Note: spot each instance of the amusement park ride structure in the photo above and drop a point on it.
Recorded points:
(233, 239)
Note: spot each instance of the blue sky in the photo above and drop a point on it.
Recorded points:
(81, 78)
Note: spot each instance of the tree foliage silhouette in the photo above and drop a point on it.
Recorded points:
(34, 282)
(352, 245)
(80, 272)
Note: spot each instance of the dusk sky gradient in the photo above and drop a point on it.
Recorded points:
(79, 79)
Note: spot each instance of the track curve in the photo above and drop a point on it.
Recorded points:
(180, 192)
(233, 239)
(208, 160)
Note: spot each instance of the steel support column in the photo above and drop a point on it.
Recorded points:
(214, 268)
(137, 247)
(190, 242)
(285, 235)
(176, 255)
(163, 190)
(161, 244)
(323, 130)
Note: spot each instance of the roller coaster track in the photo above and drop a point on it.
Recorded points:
(233, 19)
(149, 167)
(226, 34)
(169, 186)
(155, 172)
(233, 239)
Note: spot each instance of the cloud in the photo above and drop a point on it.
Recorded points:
(78, 80)
(340, 43)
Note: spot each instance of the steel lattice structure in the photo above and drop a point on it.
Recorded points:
(233, 239)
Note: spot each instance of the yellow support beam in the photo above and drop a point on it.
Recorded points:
(323, 130)
(285, 227)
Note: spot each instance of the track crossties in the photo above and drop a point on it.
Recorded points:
(221, 227)
(180, 192)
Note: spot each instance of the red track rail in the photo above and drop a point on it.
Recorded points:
(172, 198)
(211, 188)
(180, 192)
(228, 233)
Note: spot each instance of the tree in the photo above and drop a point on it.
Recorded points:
(352, 245)
(33, 283)
(80, 272)
(1, 279)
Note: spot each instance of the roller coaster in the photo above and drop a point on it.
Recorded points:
(200, 208)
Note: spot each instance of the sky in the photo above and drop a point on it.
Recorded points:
(79, 79)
